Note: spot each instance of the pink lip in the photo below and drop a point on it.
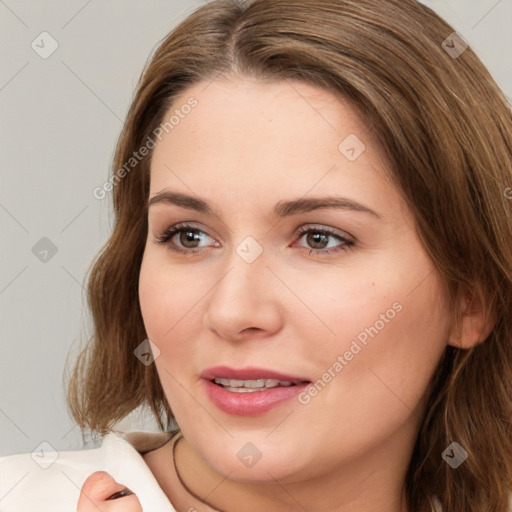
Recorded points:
(250, 373)
(253, 403)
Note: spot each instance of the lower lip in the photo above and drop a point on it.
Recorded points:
(250, 403)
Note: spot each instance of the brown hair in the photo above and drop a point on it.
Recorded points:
(447, 129)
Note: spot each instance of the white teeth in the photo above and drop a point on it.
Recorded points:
(244, 386)
(242, 390)
(223, 382)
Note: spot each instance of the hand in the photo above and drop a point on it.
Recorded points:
(101, 492)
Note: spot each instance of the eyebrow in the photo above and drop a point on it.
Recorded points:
(281, 209)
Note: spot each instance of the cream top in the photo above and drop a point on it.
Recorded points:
(51, 481)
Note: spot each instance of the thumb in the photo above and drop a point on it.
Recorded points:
(100, 492)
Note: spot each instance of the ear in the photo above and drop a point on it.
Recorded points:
(475, 327)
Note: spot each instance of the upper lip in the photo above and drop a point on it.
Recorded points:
(249, 373)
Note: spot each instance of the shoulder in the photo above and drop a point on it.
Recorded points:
(53, 480)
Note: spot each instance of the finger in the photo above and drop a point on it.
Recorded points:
(100, 492)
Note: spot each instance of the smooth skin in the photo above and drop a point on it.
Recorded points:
(247, 146)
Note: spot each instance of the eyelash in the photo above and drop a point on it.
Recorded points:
(167, 235)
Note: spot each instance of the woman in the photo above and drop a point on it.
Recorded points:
(313, 228)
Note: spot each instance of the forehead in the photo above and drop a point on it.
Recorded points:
(251, 140)
(242, 113)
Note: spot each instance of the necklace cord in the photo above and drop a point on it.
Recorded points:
(181, 480)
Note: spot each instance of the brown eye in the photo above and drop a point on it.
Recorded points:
(186, 239)
(317, 240)
(189, 237)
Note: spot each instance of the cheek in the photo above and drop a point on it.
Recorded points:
(386, 351)
(378, 336)
(170, 299)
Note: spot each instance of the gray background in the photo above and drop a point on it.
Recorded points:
(60, 118)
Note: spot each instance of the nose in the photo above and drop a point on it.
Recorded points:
(245, 302)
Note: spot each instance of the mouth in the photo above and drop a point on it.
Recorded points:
(251, 386)
(250, 391)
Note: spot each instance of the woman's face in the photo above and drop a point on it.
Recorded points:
(297, 261)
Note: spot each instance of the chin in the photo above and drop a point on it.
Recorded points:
(262, 461)
(262, 472)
